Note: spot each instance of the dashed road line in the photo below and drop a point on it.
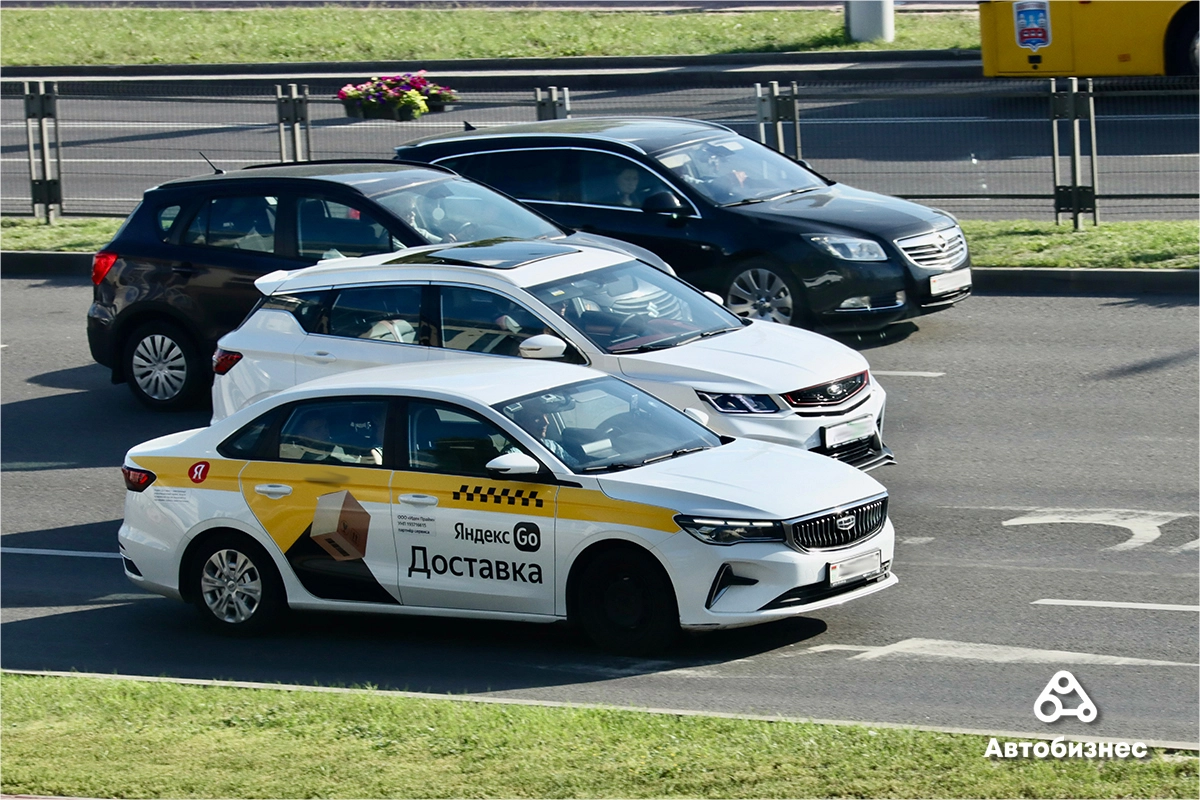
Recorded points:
(997, 654)
(917, 540)
(35, 551)
(901, 374)
(1115, 604)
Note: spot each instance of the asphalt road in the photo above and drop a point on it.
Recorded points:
(1047, 452)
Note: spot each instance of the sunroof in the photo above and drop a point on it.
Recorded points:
(491, 253)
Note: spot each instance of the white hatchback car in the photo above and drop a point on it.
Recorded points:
(549, 300)
(492, 489)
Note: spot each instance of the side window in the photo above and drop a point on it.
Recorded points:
(382, 313)
(335, 432)
(166, 218)
(474, 167)
(240, 223)
(607, 180)
(485, 322)
(533, 174)
(307, 307)
(444, 439)
(245, 443)
(328, 229)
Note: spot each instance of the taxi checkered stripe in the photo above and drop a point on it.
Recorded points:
(478, 495)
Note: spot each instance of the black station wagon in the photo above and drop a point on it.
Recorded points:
(180, 272)
(776, 240)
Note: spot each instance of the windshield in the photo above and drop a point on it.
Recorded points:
(633, 308)
(457, 210)
(605, 424)
(738, 170)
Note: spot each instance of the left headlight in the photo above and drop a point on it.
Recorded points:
(847, 248)
(740, 403)
(725, 532)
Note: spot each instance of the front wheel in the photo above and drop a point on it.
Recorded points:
(763, 291)
(626, 603)
(163, 366)
(235, 586)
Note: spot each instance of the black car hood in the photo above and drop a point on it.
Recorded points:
(841, 207)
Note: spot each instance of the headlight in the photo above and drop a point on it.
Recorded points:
(847, 248)
(724, 531)
(741, 403)
(828, 393)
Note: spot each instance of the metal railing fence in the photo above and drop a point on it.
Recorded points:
(976, 148)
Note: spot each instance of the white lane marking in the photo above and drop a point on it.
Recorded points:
(1192, 545)
(34, 551)
(994, 653)
(1143, 526)
(1115, 604)
(917, 540)
(894, 374)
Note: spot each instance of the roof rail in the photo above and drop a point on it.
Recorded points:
(388, 161)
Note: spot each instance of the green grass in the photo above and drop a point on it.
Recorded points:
(79, 37)
(104, 738)
(1113, 245)
(1019, 243)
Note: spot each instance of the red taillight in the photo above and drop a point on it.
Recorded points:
(136, 480)
(101, 263)
(223, 360)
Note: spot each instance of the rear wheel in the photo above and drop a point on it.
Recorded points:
(626, 603)
(763, 290)
(163, 366)
(234, 585)
(1183, 42)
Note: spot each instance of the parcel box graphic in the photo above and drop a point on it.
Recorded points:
(340, 526)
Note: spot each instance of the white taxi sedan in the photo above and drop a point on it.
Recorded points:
(503, 299)
(496, 489)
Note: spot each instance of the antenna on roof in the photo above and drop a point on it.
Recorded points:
(216, 170)
(468, 126)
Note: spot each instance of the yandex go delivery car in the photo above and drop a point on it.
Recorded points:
(497, 489)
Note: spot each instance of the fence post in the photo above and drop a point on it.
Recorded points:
(772, 109)
(1095, 173)
(796, 117)
(1076, 165)
(45, 191)
(292, 109)
(553, 105)
(1075, 197)
(1054, 146)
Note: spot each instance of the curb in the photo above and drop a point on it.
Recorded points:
(987, 280)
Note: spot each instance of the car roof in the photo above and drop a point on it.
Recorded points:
(522, 263)
(349, 172)
(645, 134)
(484, 380)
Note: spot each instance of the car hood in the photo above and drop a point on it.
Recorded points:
(844, 207)
(746, 478)
(764, 357)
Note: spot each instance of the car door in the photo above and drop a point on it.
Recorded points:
(366, 326)
(468, 539)
(319, 486)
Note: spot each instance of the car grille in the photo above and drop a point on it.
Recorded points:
(944, 249)
(822, 531)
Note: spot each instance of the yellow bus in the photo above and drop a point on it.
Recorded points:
(1105, 37)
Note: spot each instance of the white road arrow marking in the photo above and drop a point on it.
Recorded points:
(993, 653)
(1143, 526)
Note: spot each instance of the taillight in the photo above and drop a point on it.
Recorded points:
(101, 263)
(136, 480)
(223, 360)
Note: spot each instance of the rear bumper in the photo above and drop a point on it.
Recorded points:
(99, 335)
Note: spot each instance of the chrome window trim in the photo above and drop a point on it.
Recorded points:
(673, 186)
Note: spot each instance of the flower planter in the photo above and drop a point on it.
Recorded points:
(361, 111)
(438, 106)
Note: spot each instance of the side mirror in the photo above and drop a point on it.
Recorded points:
(716, 298)
(513, 464)
(664, 203)
(544, 345)
(697, 415)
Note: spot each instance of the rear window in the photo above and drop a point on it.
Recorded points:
(166, 218)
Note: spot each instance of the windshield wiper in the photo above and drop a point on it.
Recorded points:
(607, 467)
(683, 451)
(719, 331)
(772, 198)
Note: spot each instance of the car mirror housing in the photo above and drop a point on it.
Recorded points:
(543, 345)
(513, 464)
(716, 298)
(664, 203)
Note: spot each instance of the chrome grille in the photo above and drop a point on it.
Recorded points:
(823, 530)
(651, 301)
(944, 249)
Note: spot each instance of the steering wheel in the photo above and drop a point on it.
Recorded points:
(632, 325)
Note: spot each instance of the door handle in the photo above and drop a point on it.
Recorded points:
(321, 356)
(275, 491)
(418, 499)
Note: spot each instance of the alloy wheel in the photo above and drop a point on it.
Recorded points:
(760, 294)
(231, 585)
(159, 367)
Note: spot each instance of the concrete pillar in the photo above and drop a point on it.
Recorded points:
(870, 20)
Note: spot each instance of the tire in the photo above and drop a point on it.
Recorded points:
(234, 585)
(626, 604)
(762, 290)
(163, 366)
(1183, 42)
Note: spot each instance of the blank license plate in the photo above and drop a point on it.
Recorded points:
(850, 431)
(940, 284)
(856, 567)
